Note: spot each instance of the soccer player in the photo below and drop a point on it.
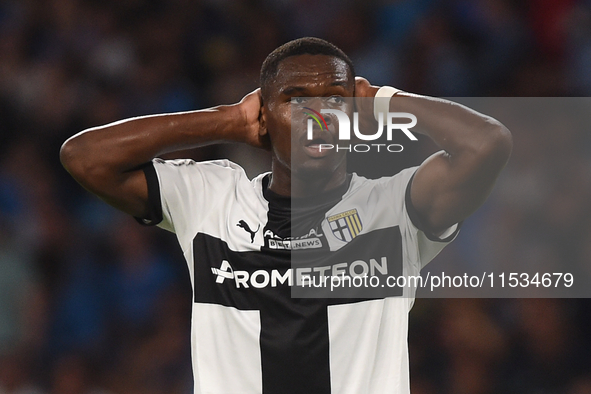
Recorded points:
(248, 334)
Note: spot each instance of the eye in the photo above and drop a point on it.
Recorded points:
(298, 100)
(336, 100)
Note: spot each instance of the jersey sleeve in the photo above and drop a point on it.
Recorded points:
(422, 245)
(182, 192)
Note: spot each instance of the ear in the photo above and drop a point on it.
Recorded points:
(264, 138)
(263, 120)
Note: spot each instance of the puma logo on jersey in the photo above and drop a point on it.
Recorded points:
(246, 228)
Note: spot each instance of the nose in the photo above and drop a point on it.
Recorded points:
(317, 104)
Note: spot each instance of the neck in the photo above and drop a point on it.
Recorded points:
(285, 183)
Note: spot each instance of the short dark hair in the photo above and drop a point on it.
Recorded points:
(301, 46)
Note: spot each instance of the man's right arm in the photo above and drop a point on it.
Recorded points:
(107, 160)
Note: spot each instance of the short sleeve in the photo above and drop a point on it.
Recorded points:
(425, 244)
(182, 192)
(154, 215)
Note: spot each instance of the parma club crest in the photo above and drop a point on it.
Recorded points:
(345, 225)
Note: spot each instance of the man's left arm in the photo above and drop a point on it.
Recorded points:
(451, 184)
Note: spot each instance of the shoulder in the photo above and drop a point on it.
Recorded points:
(394, 184)
(212, 165)
(213, 171)
(190, 191)
(379, 202)
(217, 178)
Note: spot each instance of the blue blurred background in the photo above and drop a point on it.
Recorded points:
(90, 302)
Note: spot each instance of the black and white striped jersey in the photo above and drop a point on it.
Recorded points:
(249, 334)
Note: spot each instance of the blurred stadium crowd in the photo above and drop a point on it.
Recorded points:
(90, 302)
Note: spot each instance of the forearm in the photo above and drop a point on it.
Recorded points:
(458, 130)
(106, 160)
(450, 186)
(127, 144)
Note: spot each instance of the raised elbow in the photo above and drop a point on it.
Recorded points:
(72, 156)
(498, 143)
(68, 154)
(79, 159)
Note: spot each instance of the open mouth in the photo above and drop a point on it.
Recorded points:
(318, 147)
(316, 142)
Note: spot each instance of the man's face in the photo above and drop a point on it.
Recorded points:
(325, 78)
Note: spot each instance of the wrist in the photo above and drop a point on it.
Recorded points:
(232, 121)
(382, 100)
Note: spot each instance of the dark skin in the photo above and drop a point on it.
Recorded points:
(448, 186)
(295, 172)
